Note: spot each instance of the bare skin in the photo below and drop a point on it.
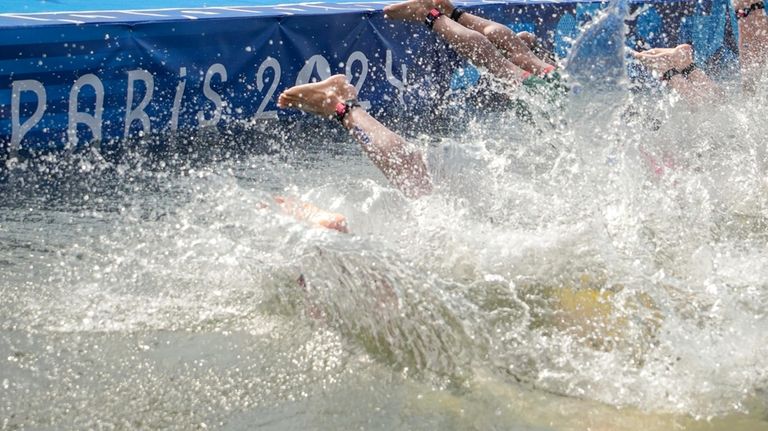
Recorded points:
(697, 87)
(468, 43)
(402, 164)
(753, 58)
(512, 45)
(414, 11)
(313, 215)
(536, 47)
(319, 98)
(664, 59)
(306, 212)
(753, 44)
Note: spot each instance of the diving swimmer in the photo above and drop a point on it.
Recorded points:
(508, 56)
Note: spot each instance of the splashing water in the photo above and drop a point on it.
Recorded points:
(596, 59)
(617, 265)
(596, 70)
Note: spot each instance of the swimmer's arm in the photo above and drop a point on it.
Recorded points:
(307, 212)
(513, 47)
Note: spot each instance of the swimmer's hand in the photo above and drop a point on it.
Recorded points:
(307, 212)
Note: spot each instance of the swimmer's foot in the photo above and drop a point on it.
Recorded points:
(444, 6)
(411, 10)
(318, 98)
(662, 60)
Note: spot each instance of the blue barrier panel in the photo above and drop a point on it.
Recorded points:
(68, 78)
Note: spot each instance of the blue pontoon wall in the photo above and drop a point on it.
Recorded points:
(70, 78)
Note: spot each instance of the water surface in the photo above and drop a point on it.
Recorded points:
(582, 275)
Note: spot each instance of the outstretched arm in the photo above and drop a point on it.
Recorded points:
(306, 212)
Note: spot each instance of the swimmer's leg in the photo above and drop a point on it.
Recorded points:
(513, 46)
(753, 43)
(694, 85)
(536, 47)
(470, 44)
(402, 164)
